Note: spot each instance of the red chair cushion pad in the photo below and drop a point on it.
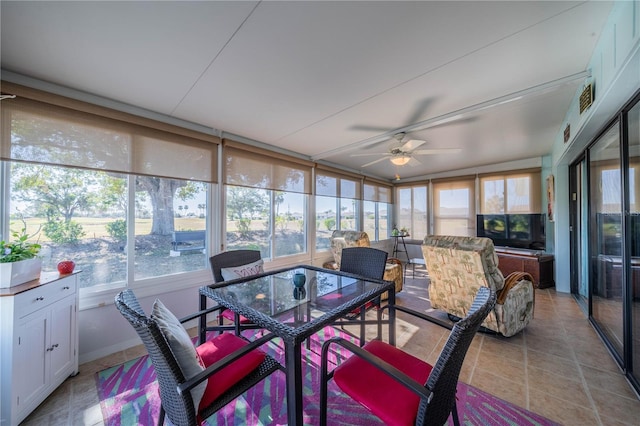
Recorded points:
(228, 314)
(378, 392)
(217, 348)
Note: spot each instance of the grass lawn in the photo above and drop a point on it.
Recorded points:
(96, 227)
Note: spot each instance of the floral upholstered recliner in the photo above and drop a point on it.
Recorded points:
(343, 239)
(458, 266)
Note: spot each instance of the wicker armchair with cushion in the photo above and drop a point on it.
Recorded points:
(459, 266)
(344, 239)
(195, 382)
(399, 388)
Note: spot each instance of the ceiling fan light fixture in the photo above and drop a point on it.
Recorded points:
(400, 160)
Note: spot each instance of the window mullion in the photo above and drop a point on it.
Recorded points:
(131, 229)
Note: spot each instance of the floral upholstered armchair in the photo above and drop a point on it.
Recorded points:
(458, 266)
(344, 239)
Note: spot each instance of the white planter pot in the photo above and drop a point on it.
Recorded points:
(15, 273)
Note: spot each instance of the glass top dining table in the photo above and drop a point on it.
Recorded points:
(294, 311)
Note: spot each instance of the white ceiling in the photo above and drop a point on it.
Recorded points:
(324, 79)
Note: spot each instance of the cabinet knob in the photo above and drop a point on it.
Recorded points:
(39, 298)
(52, 347)
(65, 287)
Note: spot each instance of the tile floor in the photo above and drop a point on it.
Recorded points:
(557, 367)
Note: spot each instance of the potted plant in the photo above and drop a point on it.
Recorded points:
(18, 259)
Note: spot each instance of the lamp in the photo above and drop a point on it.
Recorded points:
(400, 160)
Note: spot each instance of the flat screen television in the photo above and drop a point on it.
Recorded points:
(513, 230)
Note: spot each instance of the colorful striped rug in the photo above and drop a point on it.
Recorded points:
(129, 396)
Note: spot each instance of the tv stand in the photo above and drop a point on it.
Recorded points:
(536, 262)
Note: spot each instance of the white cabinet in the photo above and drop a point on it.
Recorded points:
(39, 340)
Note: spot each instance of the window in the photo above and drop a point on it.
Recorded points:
(412, 210)
(337, 205)
(74, 214)
(105, 190)
(165, 209)
(510, 193)
(376, 207)
(454, 207)
(266, 201)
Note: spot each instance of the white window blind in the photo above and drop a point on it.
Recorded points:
(374, 191)
(454, 207)
(257, 168)
(333, 184)
(44, 131)
(515, 192)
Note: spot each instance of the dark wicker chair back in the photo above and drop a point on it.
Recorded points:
(443, 379)
(229, 259)
(178, 407)
(365, 261)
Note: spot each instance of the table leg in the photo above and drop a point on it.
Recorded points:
(392, 316)
(202, 332)
(293, 367)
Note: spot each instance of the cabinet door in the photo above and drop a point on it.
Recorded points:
(62, 339)
(30, 376)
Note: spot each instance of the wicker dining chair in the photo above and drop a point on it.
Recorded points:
(232, 365)
(232, 259)
(399, 388)
(367, 262)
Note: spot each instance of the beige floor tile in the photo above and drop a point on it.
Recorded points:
(613, 406)
(552, 363)
(599, 380)
(561, 411)
(550, 345)
(496, 384)
(571, 390)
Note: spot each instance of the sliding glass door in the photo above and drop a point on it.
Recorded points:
(606, 244)
(605, 239)
(633, 124)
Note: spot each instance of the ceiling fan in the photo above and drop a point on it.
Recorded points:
(404, 153)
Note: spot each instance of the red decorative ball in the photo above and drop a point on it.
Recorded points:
(66, 266)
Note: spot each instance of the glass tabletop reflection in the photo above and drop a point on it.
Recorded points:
(295, 296)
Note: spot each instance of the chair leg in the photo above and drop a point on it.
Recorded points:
(363, 316)
(323, 384)
(161, 417)
(454, 414)
(220, 320)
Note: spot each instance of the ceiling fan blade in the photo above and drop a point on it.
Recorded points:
(374, 162)
(437, 151)
(369, 128)
(385, 154)
(420, 109)
(414, 162)
(411, 145)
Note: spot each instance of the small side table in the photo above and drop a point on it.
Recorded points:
(399, 246)
(416, 261)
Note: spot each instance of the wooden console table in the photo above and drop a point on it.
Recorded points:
(535, 262)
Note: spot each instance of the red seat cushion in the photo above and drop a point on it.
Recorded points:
(217, 348)
(228, 314)
(378, 392)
